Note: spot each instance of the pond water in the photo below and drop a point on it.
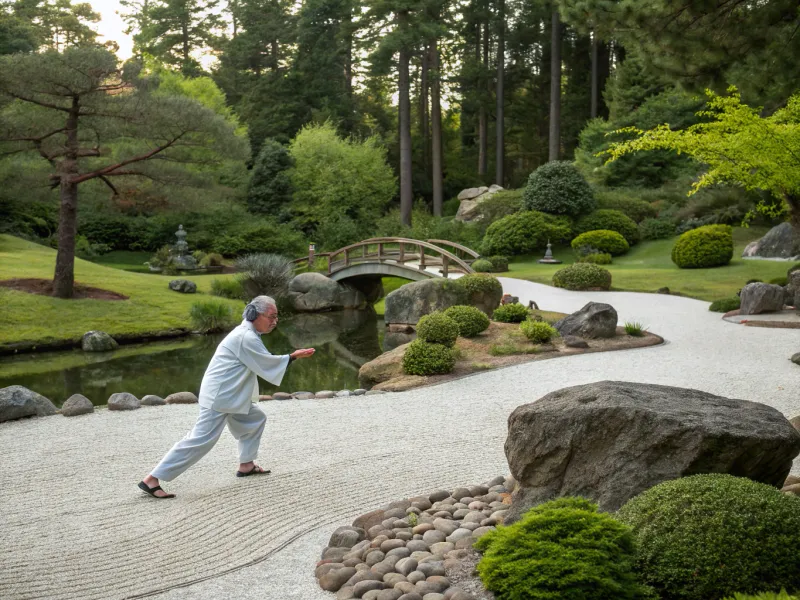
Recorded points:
(344, 341)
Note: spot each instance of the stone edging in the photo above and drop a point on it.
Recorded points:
(412, 549)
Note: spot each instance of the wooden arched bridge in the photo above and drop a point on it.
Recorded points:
(398, 257)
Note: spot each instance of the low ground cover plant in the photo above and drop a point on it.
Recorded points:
(725, 305)
(538, 332)
(423, 358)
(227, 288)
(511, 313)
(582, 276)
(470, 320)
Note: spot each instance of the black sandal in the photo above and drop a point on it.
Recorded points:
(256, 470)
(152, 491)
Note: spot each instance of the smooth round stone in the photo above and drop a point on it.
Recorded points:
(389, 595)
(442, 514)
(410, 596)
(393, 514)
(405, 566)
(352, 562)
(489, 522)
(434, 536)
(420, 555)
(459, 534)
(325, 394)
(281, 396)
(346, 593)
(422, 503)
(431, 559)
(465, 543)
(413, 510)
(449, 501)
(387, 533)
(416, 576)
(327, 568)
(500, 515)
(362, 567)
(77, 405)
(433, 597)
(334, 580)
(496, 504)
(460, 493)
(438, 495)
(466, 500)
(460, 505)
(406, 587)
(404, 535)
(480, 531)
(478, 490)
(399, 552)
(431, 569)
(499, 489)
(359, 392)
(458, 554)
(499, 480)
(374, 557)
(461, 513)
(422, 528)
(417, 545)
(401, 524)
(440, 548)
(470, 526)
(388, 523)
(491, 497)
(335, 554)
(385, 566)
(391, 545)
(149, 400)
(393, 579)
(343, 394)
(370, 595)
(474, 517)
(445, 526)
(477, 505)
(373, 531)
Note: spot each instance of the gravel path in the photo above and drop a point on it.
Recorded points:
(74, 525)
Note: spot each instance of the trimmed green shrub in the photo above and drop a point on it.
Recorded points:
(480, 283)
(558, 188)
(625, 202)
(602, 240)
(706, 537)
(596, 258)
(582, 276)
(511, 313)
(227, 288)
(656, 229)
(422, 358)
(779, 281)
(482, 266)
(725, 305)
(524, 233)
(564, 548)
(209, 316)
(538, 332)
(471, 320)
(609, 219)
(707, 246)
(499, 263)
(437, 328)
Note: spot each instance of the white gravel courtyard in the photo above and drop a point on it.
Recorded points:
(73, 524)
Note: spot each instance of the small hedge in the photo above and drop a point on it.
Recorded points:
(511, 313)
(582, 276)
(656, 229)
(704, 247)
(596, 258)
(471, 320)
(482, 266)
(561, 549)
(725, 305)
(422, 358)
(558, 188)
(479, 284)
(706, 537)
(603, 240)
(612, 220)
(499, 264)
(524, 233)
(436, 328)
(538, 332)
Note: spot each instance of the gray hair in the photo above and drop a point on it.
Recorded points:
(258, 306)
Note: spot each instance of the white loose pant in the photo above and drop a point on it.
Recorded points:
(210, 423)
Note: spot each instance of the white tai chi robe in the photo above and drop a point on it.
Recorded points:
(227, 394)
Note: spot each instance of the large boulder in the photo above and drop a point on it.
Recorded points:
(757, 298)
(595, 320)
(611, 440)
(98, 341)
(469, 209)
(782, 241)
(181, 398)
(76, 405)
(409, 303)
(313, 292)
(383, 368)
(123, 401)
(17, 402)
(792, 290)
(184, 286)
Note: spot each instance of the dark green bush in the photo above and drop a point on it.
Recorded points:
(627, 202)
(602, 240)
(725, 305)
(524, 233)
(782, 595)
(511, 313)
(707, 246)
(211, 259)
(471, 320)
(270, 187)
(564, 548)
(450, 207)
(437, 328)
(228, 288)
(706, 537)
(500, 205)
(499, 264)
(272, 238)
(656, 229)
(582, 276)
(538, 332)
(482, 266)
(558, 188)
(209, 316)
(596, 258)
(779, 281)
(609, 219)
(422, 358)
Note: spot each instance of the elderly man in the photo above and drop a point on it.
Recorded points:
(227, 393)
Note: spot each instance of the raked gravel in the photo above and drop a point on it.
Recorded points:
(74, 525)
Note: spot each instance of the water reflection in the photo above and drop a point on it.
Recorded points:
(344, 341)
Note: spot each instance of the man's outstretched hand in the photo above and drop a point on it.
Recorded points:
(302, 353)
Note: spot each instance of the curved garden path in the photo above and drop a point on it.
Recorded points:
(74, 525)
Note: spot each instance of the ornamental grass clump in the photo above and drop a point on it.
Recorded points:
(706, 537)
(564, 548)
(423, 358)
(538, 332)
(635, 329)
(437, 328)
(704, 247)
(209, 316)
(265, 274)
(227, 288)
(582, 276)
(511, 313)
(470, 320)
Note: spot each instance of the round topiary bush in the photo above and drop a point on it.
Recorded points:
(613, 220)
(422, 358)
(596, 258)
(561, 549)
(538, 332)
(471, 320)
(656, 229)
(603, 240)
(511, 313)
(704, 247)
(705, 537)
(525, 232)
(482, 266)
(582, 276)
(436, 328)
(558, 188)
(499, 264)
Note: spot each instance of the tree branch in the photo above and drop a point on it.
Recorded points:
(39, 102)
(109, 184)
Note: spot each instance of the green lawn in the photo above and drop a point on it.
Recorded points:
(151, 307)
(125, 260)
(390, 284)
(648, 267)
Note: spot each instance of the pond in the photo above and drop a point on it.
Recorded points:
(344, 341)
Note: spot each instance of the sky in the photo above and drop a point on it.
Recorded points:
(111, 26)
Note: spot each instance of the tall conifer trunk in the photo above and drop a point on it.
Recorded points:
(404, 114)
(595, 77)
(483, 116)
(436, 126)
(64, 276)
(424, 129)
(555, 88)
(500, 119)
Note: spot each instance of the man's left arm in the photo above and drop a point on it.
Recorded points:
(258, 359)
